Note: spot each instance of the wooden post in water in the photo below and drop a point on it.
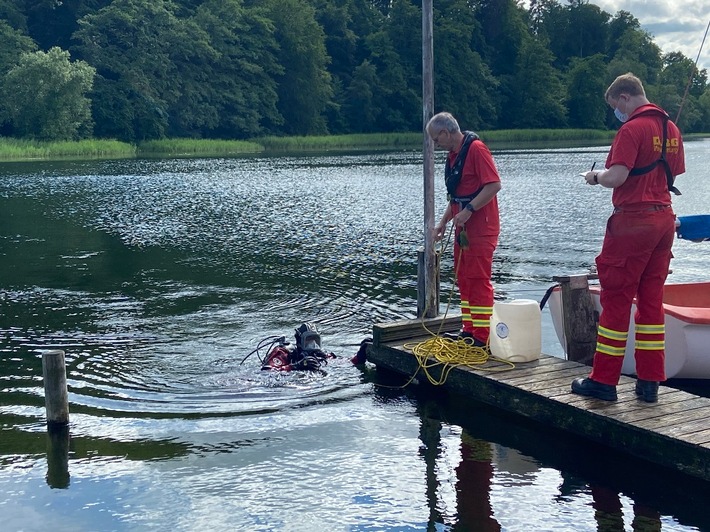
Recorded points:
(56, 399)
(427, 283)
(579, 318)
(421, 285)
(56, 402)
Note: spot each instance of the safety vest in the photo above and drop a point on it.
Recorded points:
(453, 172)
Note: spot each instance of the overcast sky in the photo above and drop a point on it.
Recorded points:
(676, 25)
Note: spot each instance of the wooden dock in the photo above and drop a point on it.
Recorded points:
(674, 433)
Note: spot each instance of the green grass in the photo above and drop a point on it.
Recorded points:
(386, 141)
(363, 141)
(20, 150)
(15, 149)
(547, 135)
(198, 147)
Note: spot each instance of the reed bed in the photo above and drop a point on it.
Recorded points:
(373, 141)
(18, 149)
(547, 135)
(198, 147)
(362, 141)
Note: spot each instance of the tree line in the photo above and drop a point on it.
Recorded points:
(135, 70)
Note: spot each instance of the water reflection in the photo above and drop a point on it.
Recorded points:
(157, 278)
(595, 489)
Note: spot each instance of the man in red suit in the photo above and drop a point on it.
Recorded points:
(645, 156)
(472, 182)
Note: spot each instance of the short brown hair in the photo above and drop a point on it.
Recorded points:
(625, 84)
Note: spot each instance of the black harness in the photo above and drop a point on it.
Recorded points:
(662, 160)
(453, 172)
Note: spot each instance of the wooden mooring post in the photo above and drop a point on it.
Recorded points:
(579, 318)
(424, 297)
(56, 397)
(56, 402)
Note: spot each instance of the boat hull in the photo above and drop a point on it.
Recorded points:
(687, 321)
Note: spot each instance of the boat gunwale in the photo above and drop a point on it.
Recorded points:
(689, 314)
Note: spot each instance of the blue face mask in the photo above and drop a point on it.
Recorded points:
(623, 117)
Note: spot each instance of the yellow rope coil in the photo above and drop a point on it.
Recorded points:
(449, 354)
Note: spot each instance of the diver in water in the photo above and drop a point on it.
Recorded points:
(307, 354)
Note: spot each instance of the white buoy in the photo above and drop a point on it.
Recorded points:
(516, 330)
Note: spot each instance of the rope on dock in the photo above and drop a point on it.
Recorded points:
(449, 354)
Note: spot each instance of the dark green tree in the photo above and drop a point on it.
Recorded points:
(587, 30)
(399, 68)
(134, 45)
(632, 50)
(218, 94)
(404, 27)
(704, 106)
(548, 21)
(305, 87)
(361, 106)
(622, 22)
(537, 95)
(463, 83)
(504, 27)
(670, 91)
(586, 84)
(12, 14)
(347, 25)
(52, 22)
(12, 44)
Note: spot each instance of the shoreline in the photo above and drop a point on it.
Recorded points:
(17, 150)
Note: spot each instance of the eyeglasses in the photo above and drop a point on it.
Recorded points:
(438, 136)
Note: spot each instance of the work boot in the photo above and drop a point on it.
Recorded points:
(464, 336)
(590, 388)
(647, 390)
(471, 340)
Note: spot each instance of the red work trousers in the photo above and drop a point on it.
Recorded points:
(473, 268)
(633, 263)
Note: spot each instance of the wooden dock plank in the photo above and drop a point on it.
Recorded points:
(700, 438)
(675, 432)
(647, 411)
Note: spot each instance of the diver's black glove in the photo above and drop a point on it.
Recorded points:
(308, 362)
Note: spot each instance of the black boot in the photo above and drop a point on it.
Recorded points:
(647, 390)
(590, 388)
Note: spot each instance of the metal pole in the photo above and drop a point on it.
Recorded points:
(428, 305)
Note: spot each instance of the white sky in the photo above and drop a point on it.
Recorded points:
(676, 25)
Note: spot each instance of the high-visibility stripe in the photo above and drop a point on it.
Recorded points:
(651, 329)
(612, 334)
(481, 323)
(647, 345)
(481, 310)
(610, 350)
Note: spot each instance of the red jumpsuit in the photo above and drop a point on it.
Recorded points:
(474, 265)
(636, 251)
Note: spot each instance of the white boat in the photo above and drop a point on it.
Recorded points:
(687, 311)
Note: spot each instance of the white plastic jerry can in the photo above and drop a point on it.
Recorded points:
(516, 330)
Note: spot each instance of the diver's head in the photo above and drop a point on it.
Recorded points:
(308, 337)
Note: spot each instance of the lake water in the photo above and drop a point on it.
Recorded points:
(158, 277)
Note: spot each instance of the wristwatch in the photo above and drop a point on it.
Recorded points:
(469, 207)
